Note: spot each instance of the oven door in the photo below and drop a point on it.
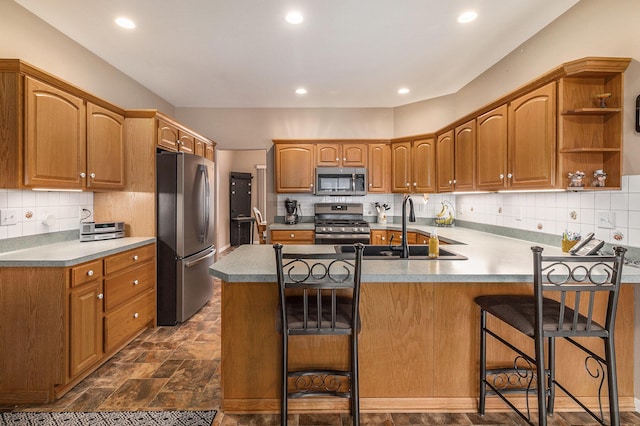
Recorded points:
(342, 238)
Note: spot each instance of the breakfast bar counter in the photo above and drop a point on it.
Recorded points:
(420, 330)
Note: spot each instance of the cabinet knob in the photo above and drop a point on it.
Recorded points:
(135, 282)
(415, 183)
(337, 159)
(450, 182)
(136, 315)
(509, 175)
(384, 238)
(177, 141)
(454, 181)
(501, 176)
(135, 257)
(344, 159)
(370, 184)
(83, 174)
(90, 272)
(408, 184)
(292, 235)
(101, 296)
(92, 175)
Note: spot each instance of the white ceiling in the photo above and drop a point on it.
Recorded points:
(346, 53)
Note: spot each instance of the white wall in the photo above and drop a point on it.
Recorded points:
(25, 36)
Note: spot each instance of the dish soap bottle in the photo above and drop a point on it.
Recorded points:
(434, 244)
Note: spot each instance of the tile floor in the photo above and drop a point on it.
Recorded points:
(178, 368)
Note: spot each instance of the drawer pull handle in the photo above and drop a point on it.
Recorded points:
(90, 272)
(101, 296)
(136, 315)
(135, 257)
(135, 282)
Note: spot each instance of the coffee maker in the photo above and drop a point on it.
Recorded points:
(291, 206)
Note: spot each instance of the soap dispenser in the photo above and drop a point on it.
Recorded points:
(434, 244)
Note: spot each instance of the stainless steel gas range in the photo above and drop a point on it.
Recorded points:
(340, 223)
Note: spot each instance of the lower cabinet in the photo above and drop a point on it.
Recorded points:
(110, 301)
(292, 237)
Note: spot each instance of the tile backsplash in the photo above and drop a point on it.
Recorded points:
(613, 216)
(42, 212)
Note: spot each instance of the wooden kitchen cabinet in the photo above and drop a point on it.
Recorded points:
(105, 148)
(294, 167)
(86, 326)
(173, 138)
(341, 154)
(379, 169)
(55, 137)
(378, 237)
(491, 150)
(446, 161)
(395, 237)
(590, 135)
(292, 237)
(413, 165)
(532, 140)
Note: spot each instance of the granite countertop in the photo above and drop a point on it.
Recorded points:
(70, 253)
(490, 258)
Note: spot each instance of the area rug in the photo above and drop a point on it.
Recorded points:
(133, 418)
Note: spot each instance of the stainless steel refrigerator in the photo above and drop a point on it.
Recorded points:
(185, 232)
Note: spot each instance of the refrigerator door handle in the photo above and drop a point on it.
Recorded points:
(194, 262)
(205, 207)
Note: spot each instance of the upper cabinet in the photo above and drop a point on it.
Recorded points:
(456, 152)
(295, 167)
(379, 170)
(173, 136)
(446, 163)
(532, 140)
(105, 148)
(56, 136)
(413, 165)
(341, 154)
(590, 101)
(491, 150)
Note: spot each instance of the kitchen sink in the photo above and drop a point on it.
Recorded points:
(416, 252)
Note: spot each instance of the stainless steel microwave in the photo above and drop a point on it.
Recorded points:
(341, 181)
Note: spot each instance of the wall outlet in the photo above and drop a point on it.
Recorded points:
(606, 219)
(8, 216)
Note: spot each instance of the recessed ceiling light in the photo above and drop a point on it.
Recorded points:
(301, 91)
(403, 91)
(294, 17)
(468, 16)
(125, 23)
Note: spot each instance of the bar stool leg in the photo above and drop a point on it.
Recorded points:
(552, 374)
(355, 381)
(284, 390)
(483, 362)
(541, 381)
(612, 380)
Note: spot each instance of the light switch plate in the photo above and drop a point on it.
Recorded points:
(8, 216)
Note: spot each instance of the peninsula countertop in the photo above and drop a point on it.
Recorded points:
(70, 253)
(490, 258)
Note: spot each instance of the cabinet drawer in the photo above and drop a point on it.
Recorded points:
(129, 258)
(293, 236)
(127, 320)
(86, 272)
(127, 285)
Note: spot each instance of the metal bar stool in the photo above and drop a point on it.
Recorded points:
(319, 295)
(565, 290)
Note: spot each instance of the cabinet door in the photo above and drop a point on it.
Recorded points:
(379, 170)
(198, 147)
(187, 142)
(444, 152)
(401, 167)
(465, 156)
(294, 168)
(354, 155)
(86, 333)
(209, 152)
(491, 149)
(168, 136)
(532, 139)
(55, 137)
(424, 165)
(328, 154)
(105, 148)
(379, 237)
